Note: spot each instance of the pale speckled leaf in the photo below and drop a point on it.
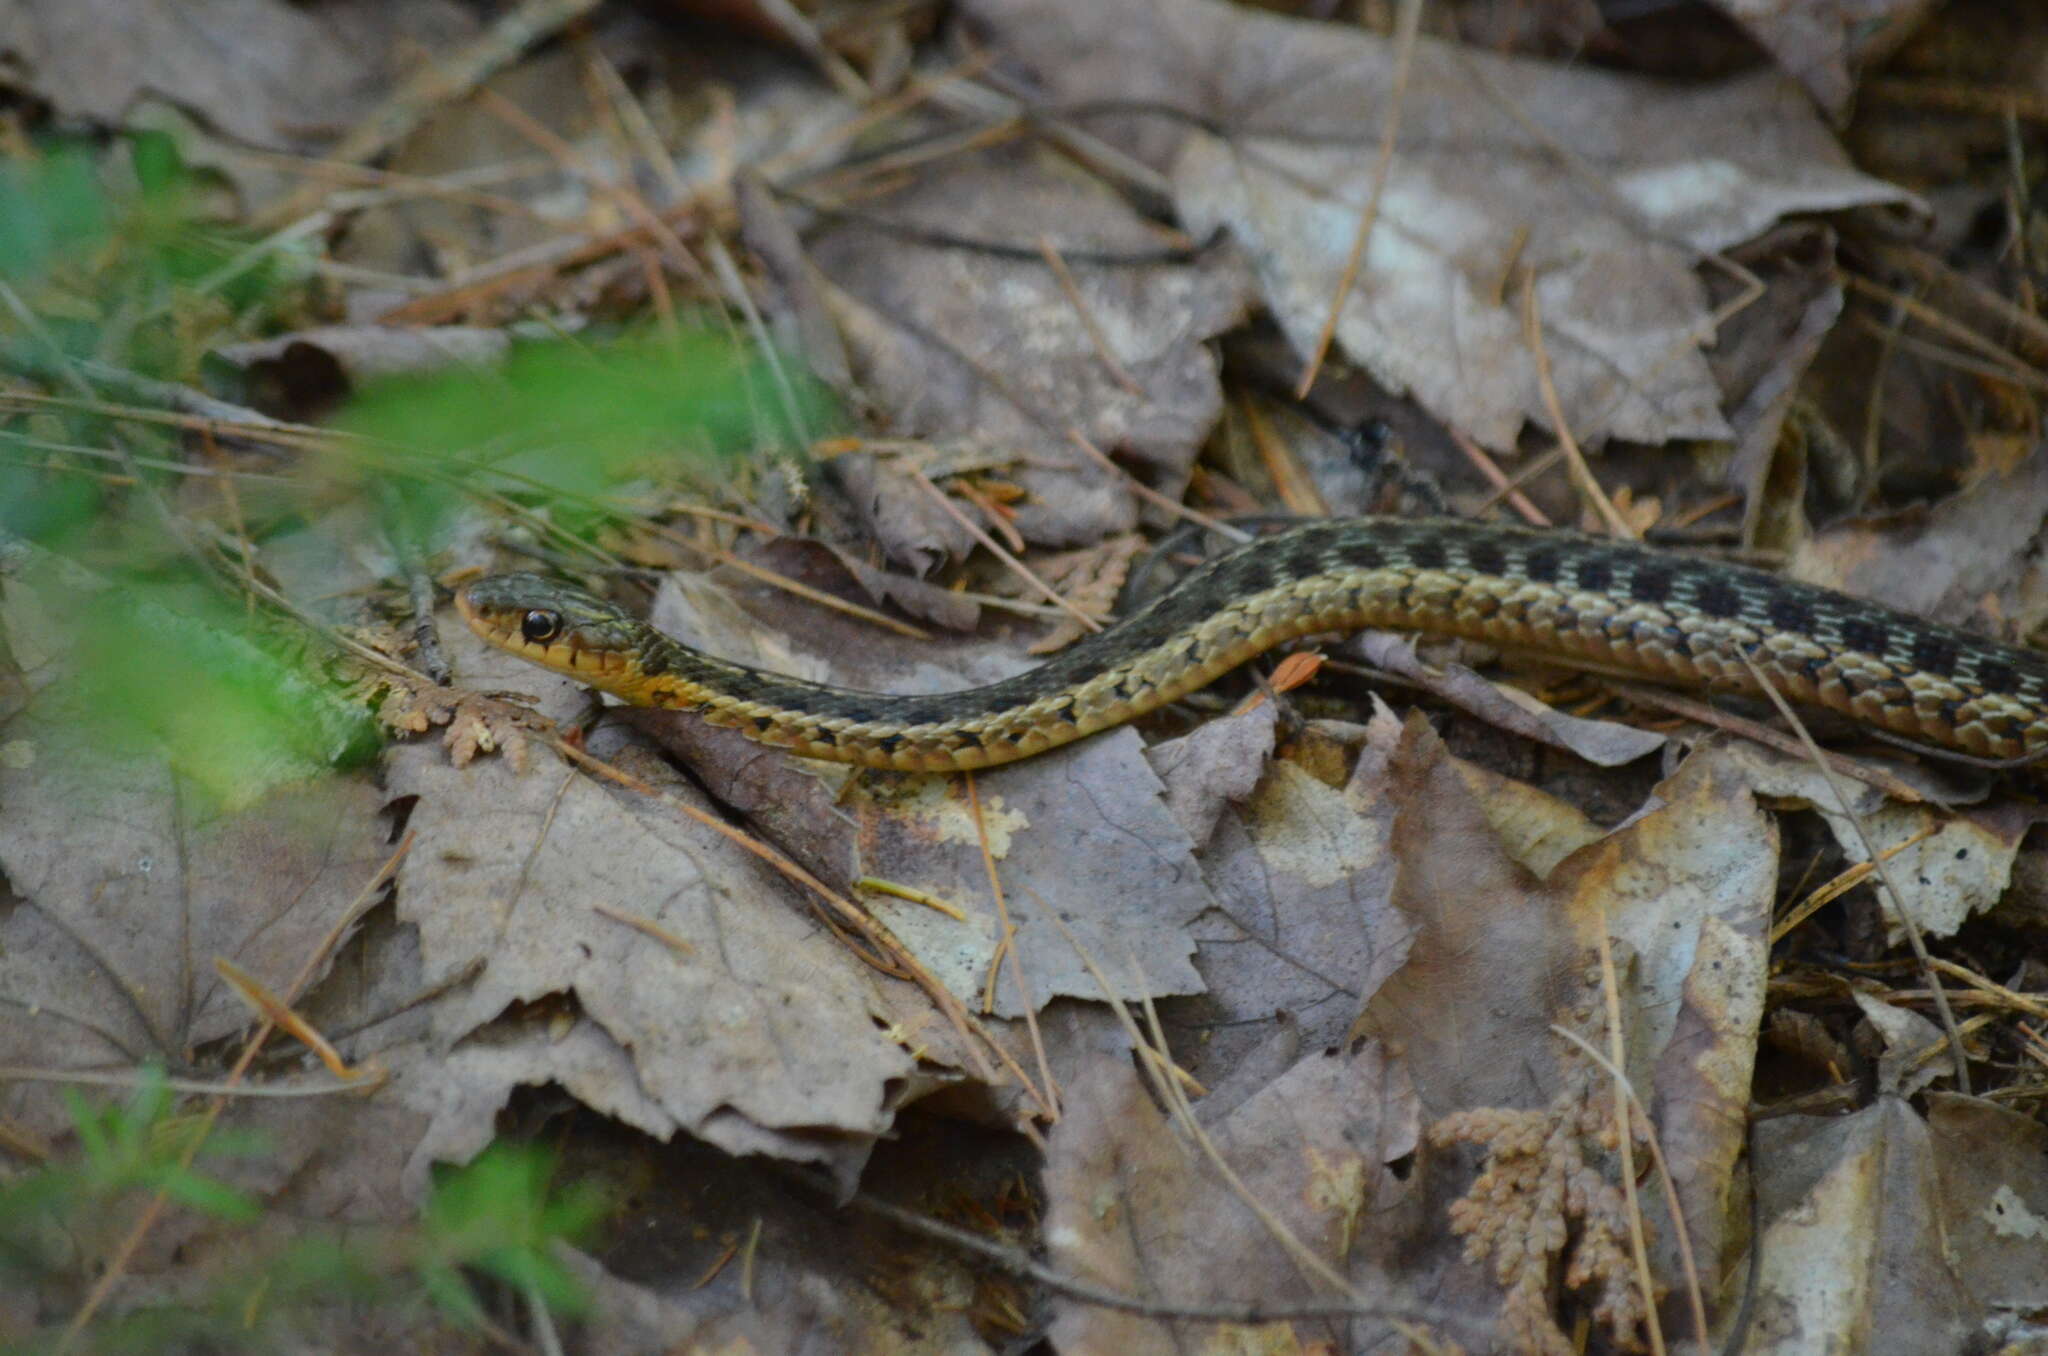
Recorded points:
(1949, 864)
(758, 1038)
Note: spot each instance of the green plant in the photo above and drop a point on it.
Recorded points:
(498, 1218)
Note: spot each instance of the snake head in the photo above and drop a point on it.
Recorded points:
(552, 625)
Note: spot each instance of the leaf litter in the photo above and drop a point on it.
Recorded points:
(1353, 1074)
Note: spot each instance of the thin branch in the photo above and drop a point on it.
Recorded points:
(1021, 1264)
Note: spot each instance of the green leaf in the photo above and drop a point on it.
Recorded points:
(49, 208)
(578, 418)
(206, 1195)
(164, 670)
(451, 1295)
(92, 1131)
(159, 168)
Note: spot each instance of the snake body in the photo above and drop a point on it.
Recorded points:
(1607, 605)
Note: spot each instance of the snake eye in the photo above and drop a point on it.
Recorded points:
(540, 626)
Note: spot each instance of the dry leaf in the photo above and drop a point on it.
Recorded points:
(951, 342)
(1603, 187)
(1133, 1208)
(131, 885)
(758, 1039)
(1684, 890)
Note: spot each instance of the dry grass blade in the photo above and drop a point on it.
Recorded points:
(794, 587)
(1175, 1101)
(975, 1037)
(1072, 290)
(1841, 885)
(28, 1073)
(1504, 489)
(1574, 458)
(1050, 1096)
(1626, 1103)
(1680, 705)
(1961, 1057)
(1151, 496)
(1407, 24)
(279, 1013)
(995, 548)
(435, 84)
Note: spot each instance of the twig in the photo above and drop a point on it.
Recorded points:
(425, 634)
(1022, 1264)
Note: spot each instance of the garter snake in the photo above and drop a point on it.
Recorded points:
(1605, 605)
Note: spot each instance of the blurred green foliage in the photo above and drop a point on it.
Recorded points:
(108, 257)
(564, 423)
(174, 671)
(499, 1217)
(49, 208)
(122, 1149)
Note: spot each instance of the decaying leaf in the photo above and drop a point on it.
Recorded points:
(107, 960)
(1600, 189)
(1136, 1210)
(758, 1036)
(1683, 890)
(955, 342)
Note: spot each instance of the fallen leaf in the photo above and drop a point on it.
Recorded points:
(1943, 561)
(1949, 864)
(1304, 930)
(1602, 187)
(759, 1038)
(952, 342)
(1133, 1208)
(1818, 44)
(266, 72)
(1606, 743)
(1853, 1239)
(1096, 803)
(1684, 890)
(131, 883)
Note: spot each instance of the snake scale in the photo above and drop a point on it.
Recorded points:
(1605, 605)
